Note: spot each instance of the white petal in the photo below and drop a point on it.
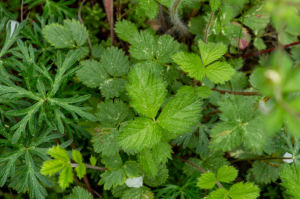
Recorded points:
(288, 155)
(13, 24)
(134, 182)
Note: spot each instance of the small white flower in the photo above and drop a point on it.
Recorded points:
(13, 25)
(288, 155)
(134, 182)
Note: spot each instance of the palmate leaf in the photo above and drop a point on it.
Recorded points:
(79, 193)
(290, 175)
(146, 91)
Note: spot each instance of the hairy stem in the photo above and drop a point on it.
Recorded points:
(176, 21)
(90, 167)
(237, 92)
(208, 25)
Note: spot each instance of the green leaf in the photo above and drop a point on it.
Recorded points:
(125, 29)
(190, 63)
(160, 178)
(131, 169)
(211, 51)
(65, 177)
(77, 157)
(219, 72)
(138, 193)
(93, 160)
(147, 163)
(58, 36)
(162, 152)
(290, 175)
(111, 88)
(207, 180)
(227, 174)
(77, 30)
(243, 191)
(114, 62)
(181, 113)
(148, 8)
(141, 133)
(80, 193)
(113, 162)
(166, 47)
(264, 173)
(218, 194)
(146, 91)
(58, 152)
(256, 17)
(214, 4)
(203, 91)
(51, 167)
(92, 74)
(81, 170)
(142, 45)
(112, 178)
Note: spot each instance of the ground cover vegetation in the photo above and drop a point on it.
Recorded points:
(144, 99)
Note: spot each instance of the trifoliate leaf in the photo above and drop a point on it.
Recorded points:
(160, 178)
(77, 157)
(290, 175)
(138, 193)
(227, 174)
(190, 63)
(141, 133)
(131, 169)
(214, 4)
(264, 173)
(166, 47)
(51, 167)
(77, 30)
(65, 177)
(148, 8)
(256, 17)
(81, 170)
(181, 113)
(80, 193)
(243, 191)
(211, 51)
(142, 45)
(218, 194)
(104, 141)
(93, 160)
(113, 162)
(219, 72)
(146, 91)
(147, 163)
(125, 29)
(92, 74)
(111, 88)
(162, 152)
(114, 62)
(58, 36)
(112, 178)
(113, 112)
(207, 180)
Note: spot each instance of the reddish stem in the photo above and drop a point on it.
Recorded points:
(236, 92)
(118, 9)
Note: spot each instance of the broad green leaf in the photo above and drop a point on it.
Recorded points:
(207, 180)
(131, 169)
(113, 162)
(219, 72)
(264, 173)
(125, 29)
(111, 88)
(219, 194)
(211, 51)
(256, 17)
(141, 133)
(190, 63)
(65, 177)
(142, 45)
(147, 163)
(146, 91)
(77, 157)
(166, 47)
(162, 152)
(290, 175)
(51, 167)
(80, 193)
(148, 8)
(58, 36)
(214, 4)
(160, 178)
(81, 170)
(227, 174)
(93, 160)
(112, 178)
(138, 193)
(58, 152)
(203, 91)
(180, 113)
(77, 30)
(243, 191)
(92, 74)
(114, 62)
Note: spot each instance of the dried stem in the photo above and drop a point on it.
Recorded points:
(90, 167)
(118, 8)
(80, 19)
(128, 11)
(208, 25)
(237, 92)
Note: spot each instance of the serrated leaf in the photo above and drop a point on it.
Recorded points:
(77, 157)
(93, 160)
(243, 191)
(264, 173)
(148, 8)
(146, 91)
(160, 178)
(180, 113)
(81, 170)
(207, 180)
(219, 72)
(141, 133)
(131, 169)
(112, 178)
(162, 152)
(214, 4)
(65, 177)
(211, 51)
(290, 175)
(218, 194)
(142, 45)
(51, 167)
(58, 152)
(227, 174)
(125, 29)
(138, 193)
(77, 30)
(166, 47)
(113, 162)
(92, 73)
(80, 193)
(58, 36)
(256, 17)
(111, 88)
(190, 63)
(147, 163)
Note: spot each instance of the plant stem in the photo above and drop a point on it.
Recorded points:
(128, 11)
(199, 168)
(236, 92)
(272, 158)
(90, 167)
(118, 9)
(80, 19)
(208, 25)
